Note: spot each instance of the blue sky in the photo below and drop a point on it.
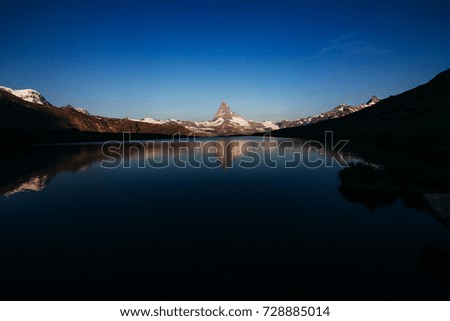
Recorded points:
(179, 59)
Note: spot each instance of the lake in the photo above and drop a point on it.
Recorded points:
(76, 223)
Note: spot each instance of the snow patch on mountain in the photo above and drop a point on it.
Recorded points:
(151, 121)
(270, 125)
(81, 110)
(240, 121)
(210, 123)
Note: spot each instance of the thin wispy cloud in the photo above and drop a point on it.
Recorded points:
(346, 45)
(350, 45)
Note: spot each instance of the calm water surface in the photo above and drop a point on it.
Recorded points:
(72, 229)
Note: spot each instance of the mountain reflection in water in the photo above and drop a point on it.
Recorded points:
(32, 169)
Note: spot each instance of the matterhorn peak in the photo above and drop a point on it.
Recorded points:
(225, 112)
(224, 107)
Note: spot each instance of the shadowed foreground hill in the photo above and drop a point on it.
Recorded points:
(407, 136)
(22, 121)
(420, 113)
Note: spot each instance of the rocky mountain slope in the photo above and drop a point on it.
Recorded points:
(27, 114)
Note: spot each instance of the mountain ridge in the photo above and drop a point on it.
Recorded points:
(26, 110)
(25, 122)
(227, 122)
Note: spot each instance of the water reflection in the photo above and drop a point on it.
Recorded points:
(34, 184)
(33, 169)
(211, 232)
(221, 152)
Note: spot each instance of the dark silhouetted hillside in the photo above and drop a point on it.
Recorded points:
(420, 113)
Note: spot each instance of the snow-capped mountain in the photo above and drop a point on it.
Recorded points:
(225, 122)
(29, 95)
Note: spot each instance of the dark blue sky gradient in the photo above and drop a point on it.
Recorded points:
(180, 59)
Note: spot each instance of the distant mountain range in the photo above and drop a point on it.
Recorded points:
(226, 122)
(26, 113)
(26, 116)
